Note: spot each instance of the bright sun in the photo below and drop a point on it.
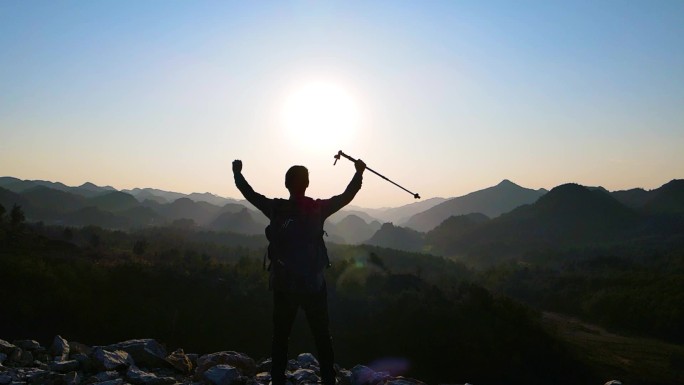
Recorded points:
(320, 114)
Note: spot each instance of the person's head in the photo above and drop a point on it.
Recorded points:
(297, 180)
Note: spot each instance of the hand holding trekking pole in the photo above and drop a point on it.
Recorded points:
(359, 164)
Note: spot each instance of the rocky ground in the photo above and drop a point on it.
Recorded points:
(146, 362)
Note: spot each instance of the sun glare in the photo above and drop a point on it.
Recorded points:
(320, 114)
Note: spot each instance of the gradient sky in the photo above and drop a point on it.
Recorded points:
(451, 96)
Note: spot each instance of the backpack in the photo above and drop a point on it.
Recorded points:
(296, 250)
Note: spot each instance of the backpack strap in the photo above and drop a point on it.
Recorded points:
(270, 217)
(264, 263)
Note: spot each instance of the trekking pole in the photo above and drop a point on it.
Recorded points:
(342, 154)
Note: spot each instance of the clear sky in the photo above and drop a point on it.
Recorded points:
(443, 97)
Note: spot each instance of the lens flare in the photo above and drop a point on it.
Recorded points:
(395, 366)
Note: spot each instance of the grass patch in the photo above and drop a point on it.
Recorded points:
(633, 360)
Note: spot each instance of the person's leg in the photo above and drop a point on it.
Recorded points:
(316, 309)
(284, 312)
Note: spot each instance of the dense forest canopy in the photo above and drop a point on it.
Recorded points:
(97, 286)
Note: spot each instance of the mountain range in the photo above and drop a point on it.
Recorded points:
(55, 203)
(505, 219)
(400, 214)
(492, 202)
(353, 229)
(87, 189)
(569, 217)
(89, 204)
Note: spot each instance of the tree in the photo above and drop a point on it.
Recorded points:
(68, 234)
(94, 241)
(184, 223)
(139, 247)
(17, 217)
(2, 220)
(377, 261)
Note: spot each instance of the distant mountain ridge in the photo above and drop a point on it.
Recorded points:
(340, 215)
(88, 204)
(114, 201)
(353, 229)
(667, 199)
(569, 214)
(87, 189)
(492, 202)
(163, 196)
(242, 222)
(399, 214)
(400, 238)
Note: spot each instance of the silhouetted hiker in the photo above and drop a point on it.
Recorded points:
(298, 258)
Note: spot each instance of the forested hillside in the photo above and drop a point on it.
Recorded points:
(188, 288)
(473, 288)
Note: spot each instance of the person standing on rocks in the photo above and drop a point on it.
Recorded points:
(298, 258)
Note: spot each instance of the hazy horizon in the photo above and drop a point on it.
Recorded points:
(351, 206)
(444, 98)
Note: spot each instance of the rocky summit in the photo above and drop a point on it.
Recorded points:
(146, 362)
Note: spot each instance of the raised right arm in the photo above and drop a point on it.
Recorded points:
(334, 204)
(259, 201)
